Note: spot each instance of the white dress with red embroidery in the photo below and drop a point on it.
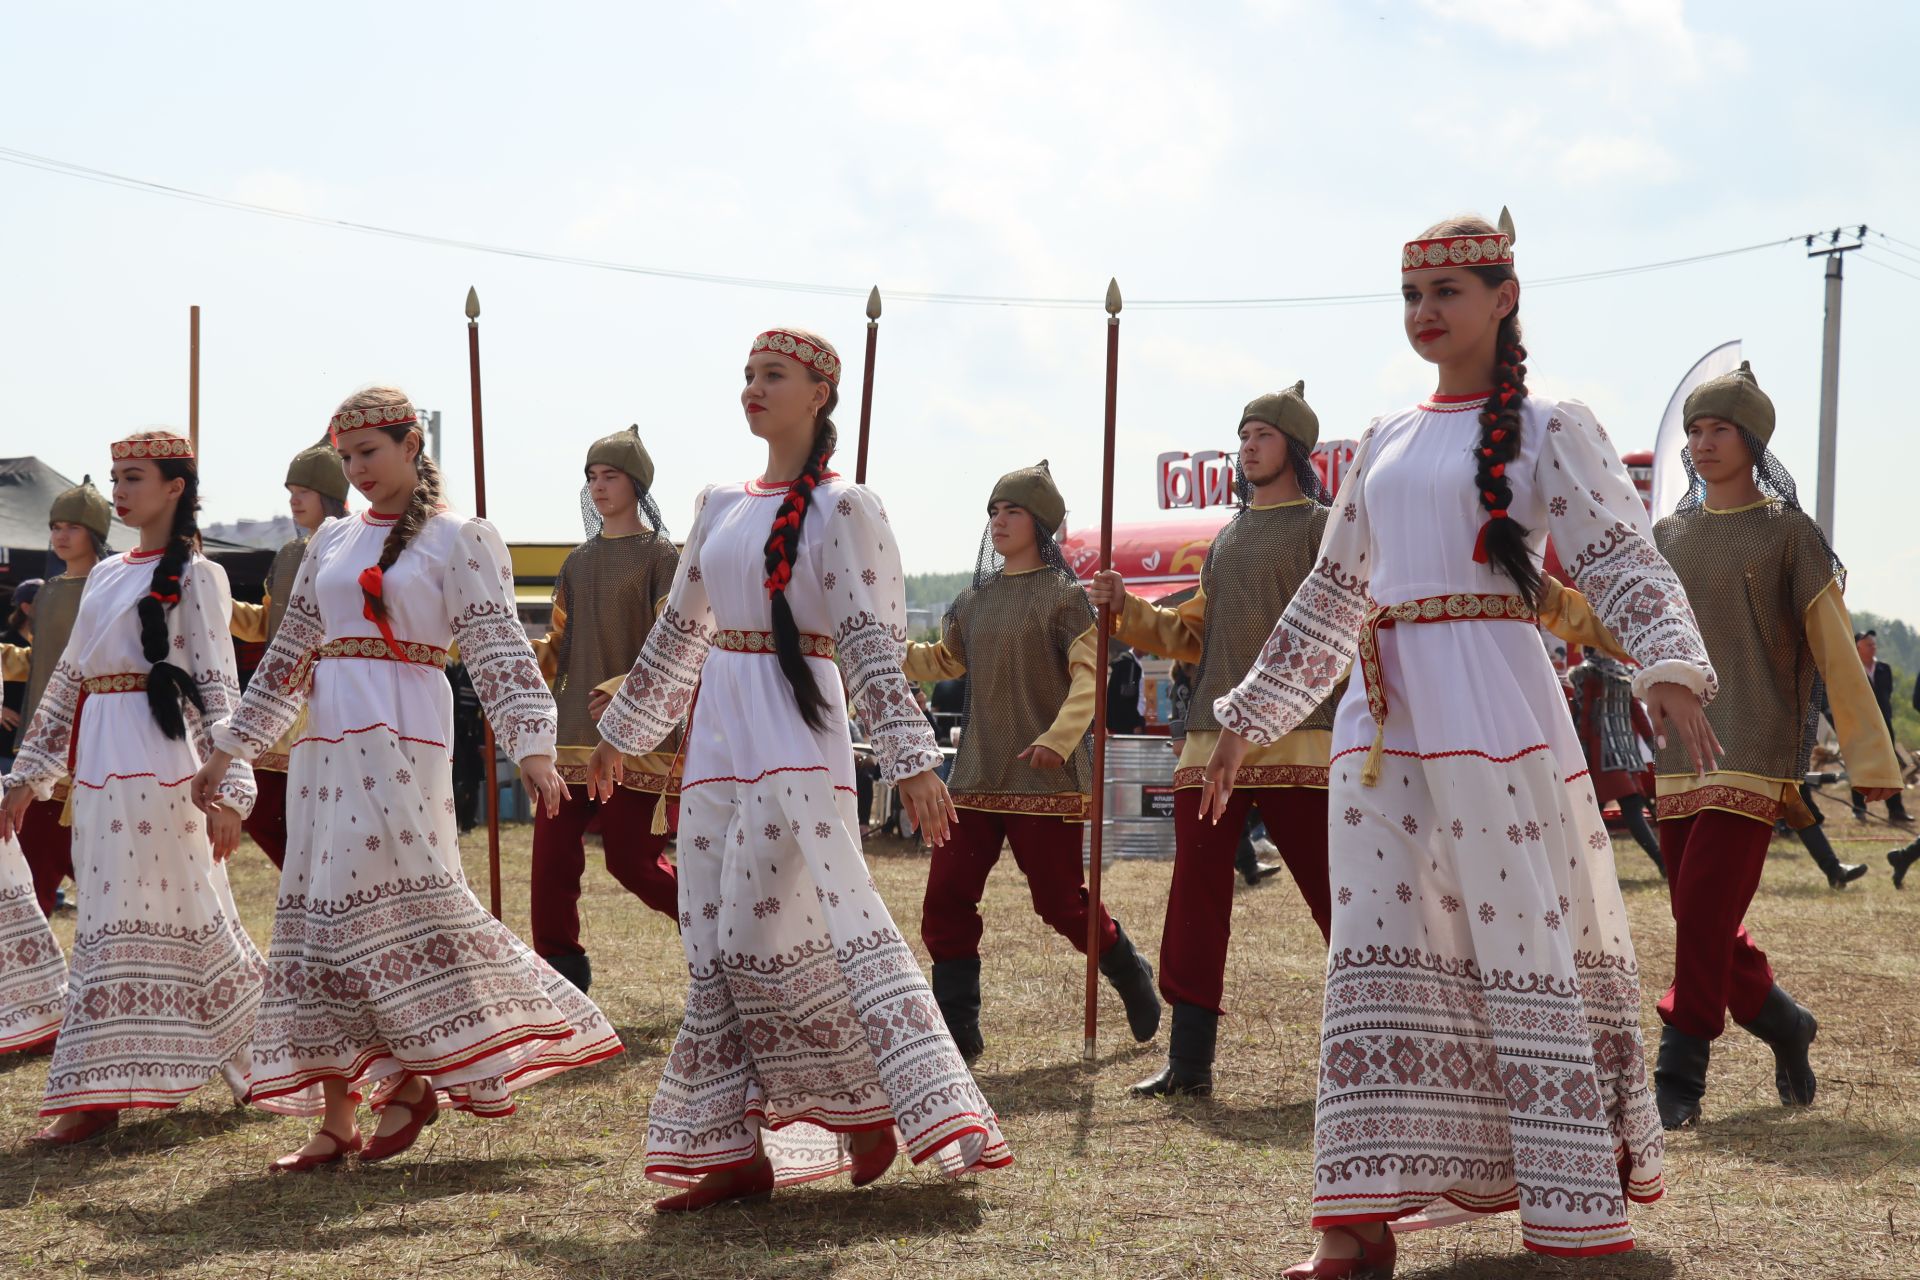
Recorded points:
(33, 973)
(1480, 1047)
(807, 1016)
(383, 962)
(164, 982)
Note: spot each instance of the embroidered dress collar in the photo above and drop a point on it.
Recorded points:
(1437, 403)
(137, 556)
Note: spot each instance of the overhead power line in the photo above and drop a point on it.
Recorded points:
(68, 169)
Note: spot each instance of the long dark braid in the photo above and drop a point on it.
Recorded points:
(1503, 540)
(783, 547)
(169, 685)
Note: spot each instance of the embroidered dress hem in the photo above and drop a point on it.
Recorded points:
(33, 976)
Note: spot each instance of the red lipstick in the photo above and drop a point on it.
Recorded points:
(756, 408)
(1429, 335)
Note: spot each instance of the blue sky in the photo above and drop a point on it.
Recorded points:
(1198, 151)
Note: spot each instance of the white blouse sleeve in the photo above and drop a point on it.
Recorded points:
(656, 694)
(1604, 539)
(283, 681)
(866, 594)
(493, 644)
(1313, 644)
(201, 639)
(41, 758)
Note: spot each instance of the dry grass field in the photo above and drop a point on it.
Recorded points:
(1104, 1185)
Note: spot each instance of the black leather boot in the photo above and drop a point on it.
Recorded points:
(576, 969)
(956, 989)
(1900, 860)
(1680, 1077)
(1839, 874)
(1788, 1027)
(1132, 977)
(1189, 1069)
(1247, 862)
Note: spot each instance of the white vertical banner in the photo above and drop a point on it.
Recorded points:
(1669, 471)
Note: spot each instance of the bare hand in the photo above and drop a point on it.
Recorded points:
(928, 804)
(1108, 590)
(604, 771)
(14, 811)
(1043, 757)
(208, 780)
(9, 718)
(597, 703)
(1684, 715)
(543, 783)
(223, 829)
(1873, 795)
(1222, 767)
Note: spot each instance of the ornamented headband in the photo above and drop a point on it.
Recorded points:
(154, 444)
(1482, 249)
(808, 352)
(394, 415)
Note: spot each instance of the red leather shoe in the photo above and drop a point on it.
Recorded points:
(869, 1165)
(342, 1148)
(96, 1123)
(751, 1184)
(1374, 1263)
(420, 1113)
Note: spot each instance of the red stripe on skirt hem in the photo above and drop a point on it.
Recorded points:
(279, 1088)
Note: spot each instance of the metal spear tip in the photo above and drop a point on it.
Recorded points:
(873, 304)
(473, 304)
(1113, 297)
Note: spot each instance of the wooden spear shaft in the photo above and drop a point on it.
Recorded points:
(480, 510)
(1096, 819)
(193, 378)
(866, 384)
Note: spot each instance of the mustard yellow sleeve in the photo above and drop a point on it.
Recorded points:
(546, 649)
(1168, 633)
(1076, 711)
(1566, 613)
(250, 620)
(933, 662)
(1864, 743)
(15, 662)
(612, 686)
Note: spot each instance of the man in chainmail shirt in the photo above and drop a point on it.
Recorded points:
(1024, 637)
(1250, 573)
(316, 493)
(1766, 588)
(604, 601)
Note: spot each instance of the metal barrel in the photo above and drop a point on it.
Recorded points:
(1139, 814)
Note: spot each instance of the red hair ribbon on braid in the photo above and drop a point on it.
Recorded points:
(1480, 543)
(171, 597)
(373, 582)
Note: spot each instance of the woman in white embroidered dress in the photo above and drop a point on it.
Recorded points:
(1480, 1048)
(811, 1043)
(33, 973)
(165, 982)
(388, 978)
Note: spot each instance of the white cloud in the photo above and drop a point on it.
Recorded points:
(1614, 159)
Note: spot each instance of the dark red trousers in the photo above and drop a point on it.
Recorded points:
(267, 824)
(1048, 852)
(48, 848)
(635, 857)
(1193, 945)
(1714, 860)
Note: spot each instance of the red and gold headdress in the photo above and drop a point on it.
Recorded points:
(1484, 249)
(809, 349)
(153, 444)
(380, 415)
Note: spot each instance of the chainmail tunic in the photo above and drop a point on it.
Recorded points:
(281, 576)
(54, 610)
(1255, 565)
(608, 588)
(1013, 633)
(1750, 575)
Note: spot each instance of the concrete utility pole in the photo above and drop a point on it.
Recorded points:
(1830, 372)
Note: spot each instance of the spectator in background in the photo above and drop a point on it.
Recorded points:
(16, 639)
(1880, 676)
(1123, 692)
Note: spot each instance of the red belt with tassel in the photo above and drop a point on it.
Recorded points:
(1460, 607)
